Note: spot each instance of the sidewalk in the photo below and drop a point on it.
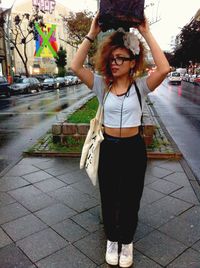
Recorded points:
(50, 216)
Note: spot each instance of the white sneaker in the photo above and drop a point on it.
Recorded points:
(112, 253)
(126, 255)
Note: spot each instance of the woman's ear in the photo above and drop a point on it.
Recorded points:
(133, 62)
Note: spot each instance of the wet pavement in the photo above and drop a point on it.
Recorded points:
(178, 108)
(50, 217)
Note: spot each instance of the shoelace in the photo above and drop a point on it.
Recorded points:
(112, 246)
(126, 250)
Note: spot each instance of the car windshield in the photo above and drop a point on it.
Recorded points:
(48, 80)
(176, 74)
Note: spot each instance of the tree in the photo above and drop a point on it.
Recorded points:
(20, 31)
(77, 26)
(61, 61)
(187, 44)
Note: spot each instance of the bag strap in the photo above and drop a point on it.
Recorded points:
(140, 101)
(99, 113)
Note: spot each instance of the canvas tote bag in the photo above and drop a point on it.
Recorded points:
(114, 14)
(91, 147)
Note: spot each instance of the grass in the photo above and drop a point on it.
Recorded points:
(85, 113)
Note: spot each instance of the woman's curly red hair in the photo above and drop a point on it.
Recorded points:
(109, 44)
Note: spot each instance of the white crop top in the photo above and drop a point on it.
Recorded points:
(131, 112)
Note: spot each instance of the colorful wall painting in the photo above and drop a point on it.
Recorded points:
(46, 44)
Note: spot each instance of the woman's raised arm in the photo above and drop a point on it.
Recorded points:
(86, 76)
(163, 67)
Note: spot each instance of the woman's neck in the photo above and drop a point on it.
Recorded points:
(119, 86)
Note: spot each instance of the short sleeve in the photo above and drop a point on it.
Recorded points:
(98, 87)
(142, 85)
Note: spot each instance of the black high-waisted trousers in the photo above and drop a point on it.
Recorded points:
(122, 166)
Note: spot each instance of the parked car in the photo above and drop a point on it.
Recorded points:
(197, 80)
(26, 85)
(50, 83)
(68, 80)
(61, 81)
(5, 87)
(175, 78)
(192, 77)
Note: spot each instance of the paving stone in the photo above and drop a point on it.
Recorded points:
(11, 257)
(141, 261)
(10, 183)
(164, 186)
(67, 257)
(56, 171)
(184, 229)
(73, 177)
(55, 213)
(49, 185)
(173, 165)
(189, 259)
(157, 172)
(87, 221)
(142, 230)
(25, 192)
(74, 198)
(41, 244)
(20, 170)
(162, 210)
(23, 227)
(87, 187)
(187, 194)
(149, 196)
(70, 230)
(33, 160)
(93, 246)
(179, 178)
(149, 179)
(37, 176)
(4, 239)
(6, 199)
(196, 246)
(12, 212)
(159, 247)
(38, 202)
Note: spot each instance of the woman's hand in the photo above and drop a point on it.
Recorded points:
(144, 28)
(94, 28)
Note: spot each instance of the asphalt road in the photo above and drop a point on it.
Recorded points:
(178, 107)
(26, 118)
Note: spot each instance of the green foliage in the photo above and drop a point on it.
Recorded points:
(77, 26)
(85, 113)
(61, 59)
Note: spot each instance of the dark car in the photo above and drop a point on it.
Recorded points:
(4, 87)
(50, 83)
(26, 85)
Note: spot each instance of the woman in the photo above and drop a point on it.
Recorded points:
(123, 159)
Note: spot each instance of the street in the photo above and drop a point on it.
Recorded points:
(25, 118)
(178, 106)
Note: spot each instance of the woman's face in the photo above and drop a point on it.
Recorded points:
(120, 63)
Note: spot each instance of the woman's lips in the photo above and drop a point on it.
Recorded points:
(114, 70)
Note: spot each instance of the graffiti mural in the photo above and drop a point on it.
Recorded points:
(45, 5)
(46, 44)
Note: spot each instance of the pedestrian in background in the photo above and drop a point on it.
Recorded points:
(123, 159)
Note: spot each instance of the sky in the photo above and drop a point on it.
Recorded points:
(173, 14)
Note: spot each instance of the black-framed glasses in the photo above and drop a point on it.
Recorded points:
(119, 60)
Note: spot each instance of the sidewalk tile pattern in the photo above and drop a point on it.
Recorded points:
(50, 217)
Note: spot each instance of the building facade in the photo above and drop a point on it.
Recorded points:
(41, 52)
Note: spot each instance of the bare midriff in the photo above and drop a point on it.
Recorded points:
(123, 132)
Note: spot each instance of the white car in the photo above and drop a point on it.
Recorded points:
(175, 78)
